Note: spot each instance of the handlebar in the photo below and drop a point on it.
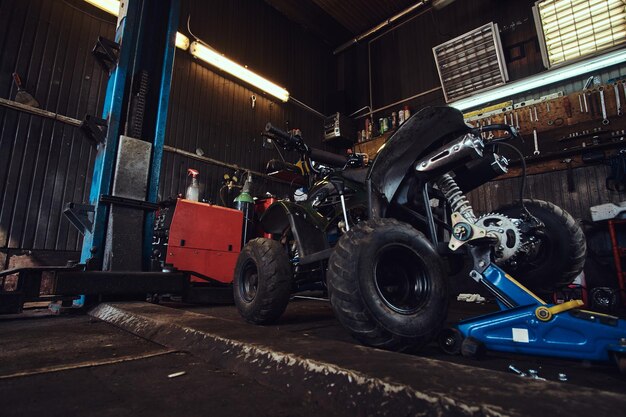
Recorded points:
(278, 132)
(489, 128)
(294, 141)
(328, 158)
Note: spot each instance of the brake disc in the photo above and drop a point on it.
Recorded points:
(507, 232)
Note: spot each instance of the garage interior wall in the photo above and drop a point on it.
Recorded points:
(402, 65)
(44, 165)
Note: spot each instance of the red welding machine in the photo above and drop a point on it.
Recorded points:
(201, 238)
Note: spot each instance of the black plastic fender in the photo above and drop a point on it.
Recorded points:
(423, 132)
(307, 226)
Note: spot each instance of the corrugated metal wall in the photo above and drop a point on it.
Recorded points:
(214, 113)
(44, 164)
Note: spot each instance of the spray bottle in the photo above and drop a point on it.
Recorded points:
(193, 191)
(244, 202)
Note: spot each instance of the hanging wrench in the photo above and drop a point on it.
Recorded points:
(490, 135)
(605, 121)
(530, 114)
(548, 106)
(516, 121)
(536, 142)
(585, 100)
(580, 102)
(618, 102)
(535, 111)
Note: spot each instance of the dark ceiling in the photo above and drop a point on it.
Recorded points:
(337, 21)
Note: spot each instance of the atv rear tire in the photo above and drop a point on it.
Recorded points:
(262, 282)
(387, 285)
(561, 256)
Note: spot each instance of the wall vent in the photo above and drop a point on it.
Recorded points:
(471, 63)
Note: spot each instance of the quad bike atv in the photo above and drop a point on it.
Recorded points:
(386, 275)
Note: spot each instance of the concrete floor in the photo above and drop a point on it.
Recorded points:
(59, 366)
(53, 365)
(315, 318)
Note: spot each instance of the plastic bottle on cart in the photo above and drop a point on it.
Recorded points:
(193, 191)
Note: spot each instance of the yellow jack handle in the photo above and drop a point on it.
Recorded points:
(544, 313)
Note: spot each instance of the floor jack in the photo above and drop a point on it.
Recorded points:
(527, 325)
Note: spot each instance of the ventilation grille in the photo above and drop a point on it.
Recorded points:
(572, 29)
(471, 62)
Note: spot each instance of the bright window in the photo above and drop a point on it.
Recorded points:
(571, 29)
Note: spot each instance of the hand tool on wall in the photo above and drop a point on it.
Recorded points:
(605, 120)
(516, 121)
(22, 96)
(536, 143)
(618, 103)
(570, 175)
(585, 101)
(592, 106)
(580, 103)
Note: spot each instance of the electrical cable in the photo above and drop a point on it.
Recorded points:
(522, 190)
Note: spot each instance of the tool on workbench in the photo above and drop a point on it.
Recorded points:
(570, 175)
(605, 120)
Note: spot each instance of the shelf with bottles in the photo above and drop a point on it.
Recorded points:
(375, 133)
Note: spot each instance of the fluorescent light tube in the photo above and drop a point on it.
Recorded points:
(113, 7)
(182, 41)
(212, 57)
(542, 79)
(109, 6)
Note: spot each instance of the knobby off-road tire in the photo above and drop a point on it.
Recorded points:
(562, 253)
(387, 285)
(262, 282)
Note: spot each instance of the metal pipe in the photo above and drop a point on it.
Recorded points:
(216, 162)
(423, 93)
(77, 123)
(39, 112)
(379, 26)
(306, 107)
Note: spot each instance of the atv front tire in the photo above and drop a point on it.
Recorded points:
(262, 282)
(387, 285)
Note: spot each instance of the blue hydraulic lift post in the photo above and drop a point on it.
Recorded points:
(161, 123)
(135, 29)
(93, 241)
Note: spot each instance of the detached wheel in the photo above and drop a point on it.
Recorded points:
(559, 252)
(262, 282)
(387, 285)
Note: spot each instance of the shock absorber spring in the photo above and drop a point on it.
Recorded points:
(456, 198)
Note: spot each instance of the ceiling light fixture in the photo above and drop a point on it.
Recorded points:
(214, 58)
(569, 29)
(542, 79)
(113, 7)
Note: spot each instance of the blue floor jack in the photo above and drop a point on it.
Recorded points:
(527, 325)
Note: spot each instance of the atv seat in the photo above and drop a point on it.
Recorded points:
(358, 175)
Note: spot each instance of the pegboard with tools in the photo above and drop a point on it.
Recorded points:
(559, 125)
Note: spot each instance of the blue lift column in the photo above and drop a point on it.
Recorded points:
(126, 173)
